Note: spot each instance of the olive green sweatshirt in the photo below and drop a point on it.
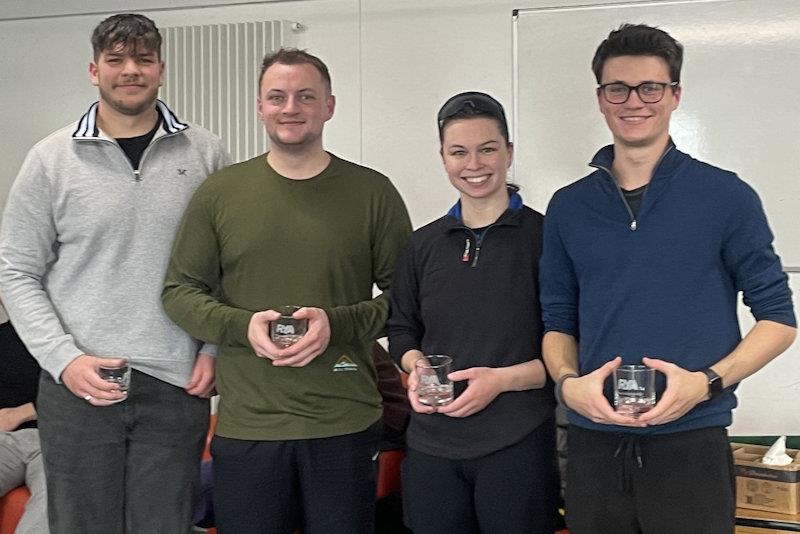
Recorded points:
(253, 240)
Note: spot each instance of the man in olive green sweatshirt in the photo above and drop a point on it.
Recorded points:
(298, 426)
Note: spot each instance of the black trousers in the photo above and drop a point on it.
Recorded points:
(324, 486)
(511, 491)
(660, 484)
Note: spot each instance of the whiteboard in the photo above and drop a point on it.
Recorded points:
(740, 110)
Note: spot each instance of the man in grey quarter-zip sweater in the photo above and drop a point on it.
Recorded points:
(84, 244)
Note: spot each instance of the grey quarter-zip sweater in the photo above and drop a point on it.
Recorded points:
(85, 241)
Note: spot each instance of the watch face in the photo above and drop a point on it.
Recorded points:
(714, 382)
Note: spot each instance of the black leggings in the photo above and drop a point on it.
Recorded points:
(514, 490)
(658, 484)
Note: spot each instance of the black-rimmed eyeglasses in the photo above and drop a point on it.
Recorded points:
(649, 92)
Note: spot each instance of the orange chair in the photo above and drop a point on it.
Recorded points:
(212, 425)
(389, 463)
(389, 472)
(12, 505)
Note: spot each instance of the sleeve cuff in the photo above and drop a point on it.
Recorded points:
(238, 324)
(209, 349)
(56, 364)
(337, 322)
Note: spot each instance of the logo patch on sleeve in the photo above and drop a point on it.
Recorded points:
(344, 363)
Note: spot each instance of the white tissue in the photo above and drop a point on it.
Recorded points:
(776, 455)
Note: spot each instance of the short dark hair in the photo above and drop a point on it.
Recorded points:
(639, 40)
(294, 56)
(131, 30)
(472, 104)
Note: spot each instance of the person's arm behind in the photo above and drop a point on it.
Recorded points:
(12, 418)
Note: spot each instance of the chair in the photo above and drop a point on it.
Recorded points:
(212, 425)
(389, 472)
(389, 463)
(12, 505)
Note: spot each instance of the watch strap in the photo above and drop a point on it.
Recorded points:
(559, 385)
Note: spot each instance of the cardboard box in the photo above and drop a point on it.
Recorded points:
(758, 530)
(766, 487)
(761, 522)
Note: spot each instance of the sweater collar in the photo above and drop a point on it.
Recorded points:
(87, 125)
(514, 204)
(666, 166)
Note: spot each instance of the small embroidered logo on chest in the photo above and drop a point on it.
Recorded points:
(181, 172)
(344, 363)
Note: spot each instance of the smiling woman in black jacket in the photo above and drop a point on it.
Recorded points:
(466, 286)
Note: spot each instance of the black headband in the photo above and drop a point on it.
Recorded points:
(469, 103)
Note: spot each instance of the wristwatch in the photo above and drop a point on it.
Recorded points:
(714, 382)
(559, 385)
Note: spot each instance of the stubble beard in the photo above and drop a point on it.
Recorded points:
(123, 108)
(296, 147)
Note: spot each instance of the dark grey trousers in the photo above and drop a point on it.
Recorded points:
(128, 468)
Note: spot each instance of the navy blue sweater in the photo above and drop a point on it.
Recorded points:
(477, 301)
(666, 284)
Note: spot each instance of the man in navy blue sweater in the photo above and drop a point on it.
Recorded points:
(642, 262)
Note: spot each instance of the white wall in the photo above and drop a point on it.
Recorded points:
(416, 54)
(17, 9)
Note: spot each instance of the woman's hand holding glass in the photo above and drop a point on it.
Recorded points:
(484, 385)
(412, 384)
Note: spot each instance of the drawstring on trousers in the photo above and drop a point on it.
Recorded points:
(629, 452)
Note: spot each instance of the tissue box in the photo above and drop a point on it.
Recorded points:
(766, 487)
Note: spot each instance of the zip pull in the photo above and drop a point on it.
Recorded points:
(477, 253)
(633, 225)
(136, 176)
(465, 256)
